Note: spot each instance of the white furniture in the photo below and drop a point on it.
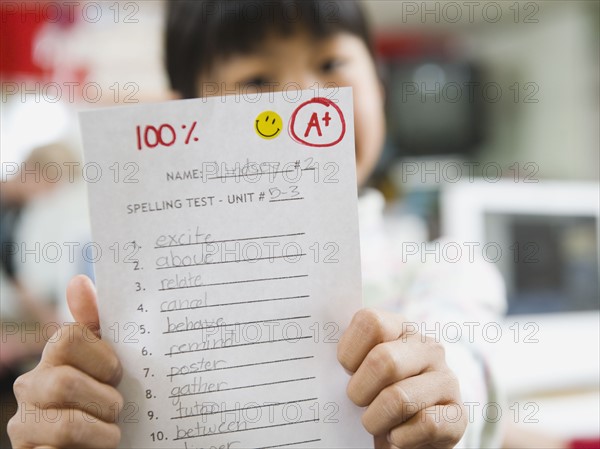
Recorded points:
(559, 369)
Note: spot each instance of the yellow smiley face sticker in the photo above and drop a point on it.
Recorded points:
(268, 124)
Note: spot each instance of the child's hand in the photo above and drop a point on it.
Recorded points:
(412, 396)
(69, 399)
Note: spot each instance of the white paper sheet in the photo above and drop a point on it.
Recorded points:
(229, 267)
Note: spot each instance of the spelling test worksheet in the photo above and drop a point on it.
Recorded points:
(228, 267)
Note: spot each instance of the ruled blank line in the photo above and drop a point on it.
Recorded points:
(214, 326)
(233, 240)
(246, 430)
(241, 344)
(231, 261)
(235, 282)
(283, 298)
(239, 409)
(268, 362)
(243, 387)
(290, 444)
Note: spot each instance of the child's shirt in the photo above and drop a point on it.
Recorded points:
(436, 295)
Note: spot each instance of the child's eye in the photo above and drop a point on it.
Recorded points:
(330, 65)
(259, 81)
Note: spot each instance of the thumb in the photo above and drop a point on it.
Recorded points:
(81, 298)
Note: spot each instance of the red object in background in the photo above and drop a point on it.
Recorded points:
(21, 22)
(409, 47)
(585, 444)
(16, 40)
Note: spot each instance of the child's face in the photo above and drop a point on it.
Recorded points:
(342, 59)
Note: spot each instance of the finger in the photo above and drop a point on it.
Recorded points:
(440, 426)
(386, 364)
(81, 297)
(402, 400)
(77, 346)
(381, 442)
(391, 362)
(367, 329)
(64, 387)
(61, 428)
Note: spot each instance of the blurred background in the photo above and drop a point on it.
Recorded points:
(493, 137)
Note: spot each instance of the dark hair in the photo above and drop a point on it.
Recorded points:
(200, 31)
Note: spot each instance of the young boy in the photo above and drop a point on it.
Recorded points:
(410, 395)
